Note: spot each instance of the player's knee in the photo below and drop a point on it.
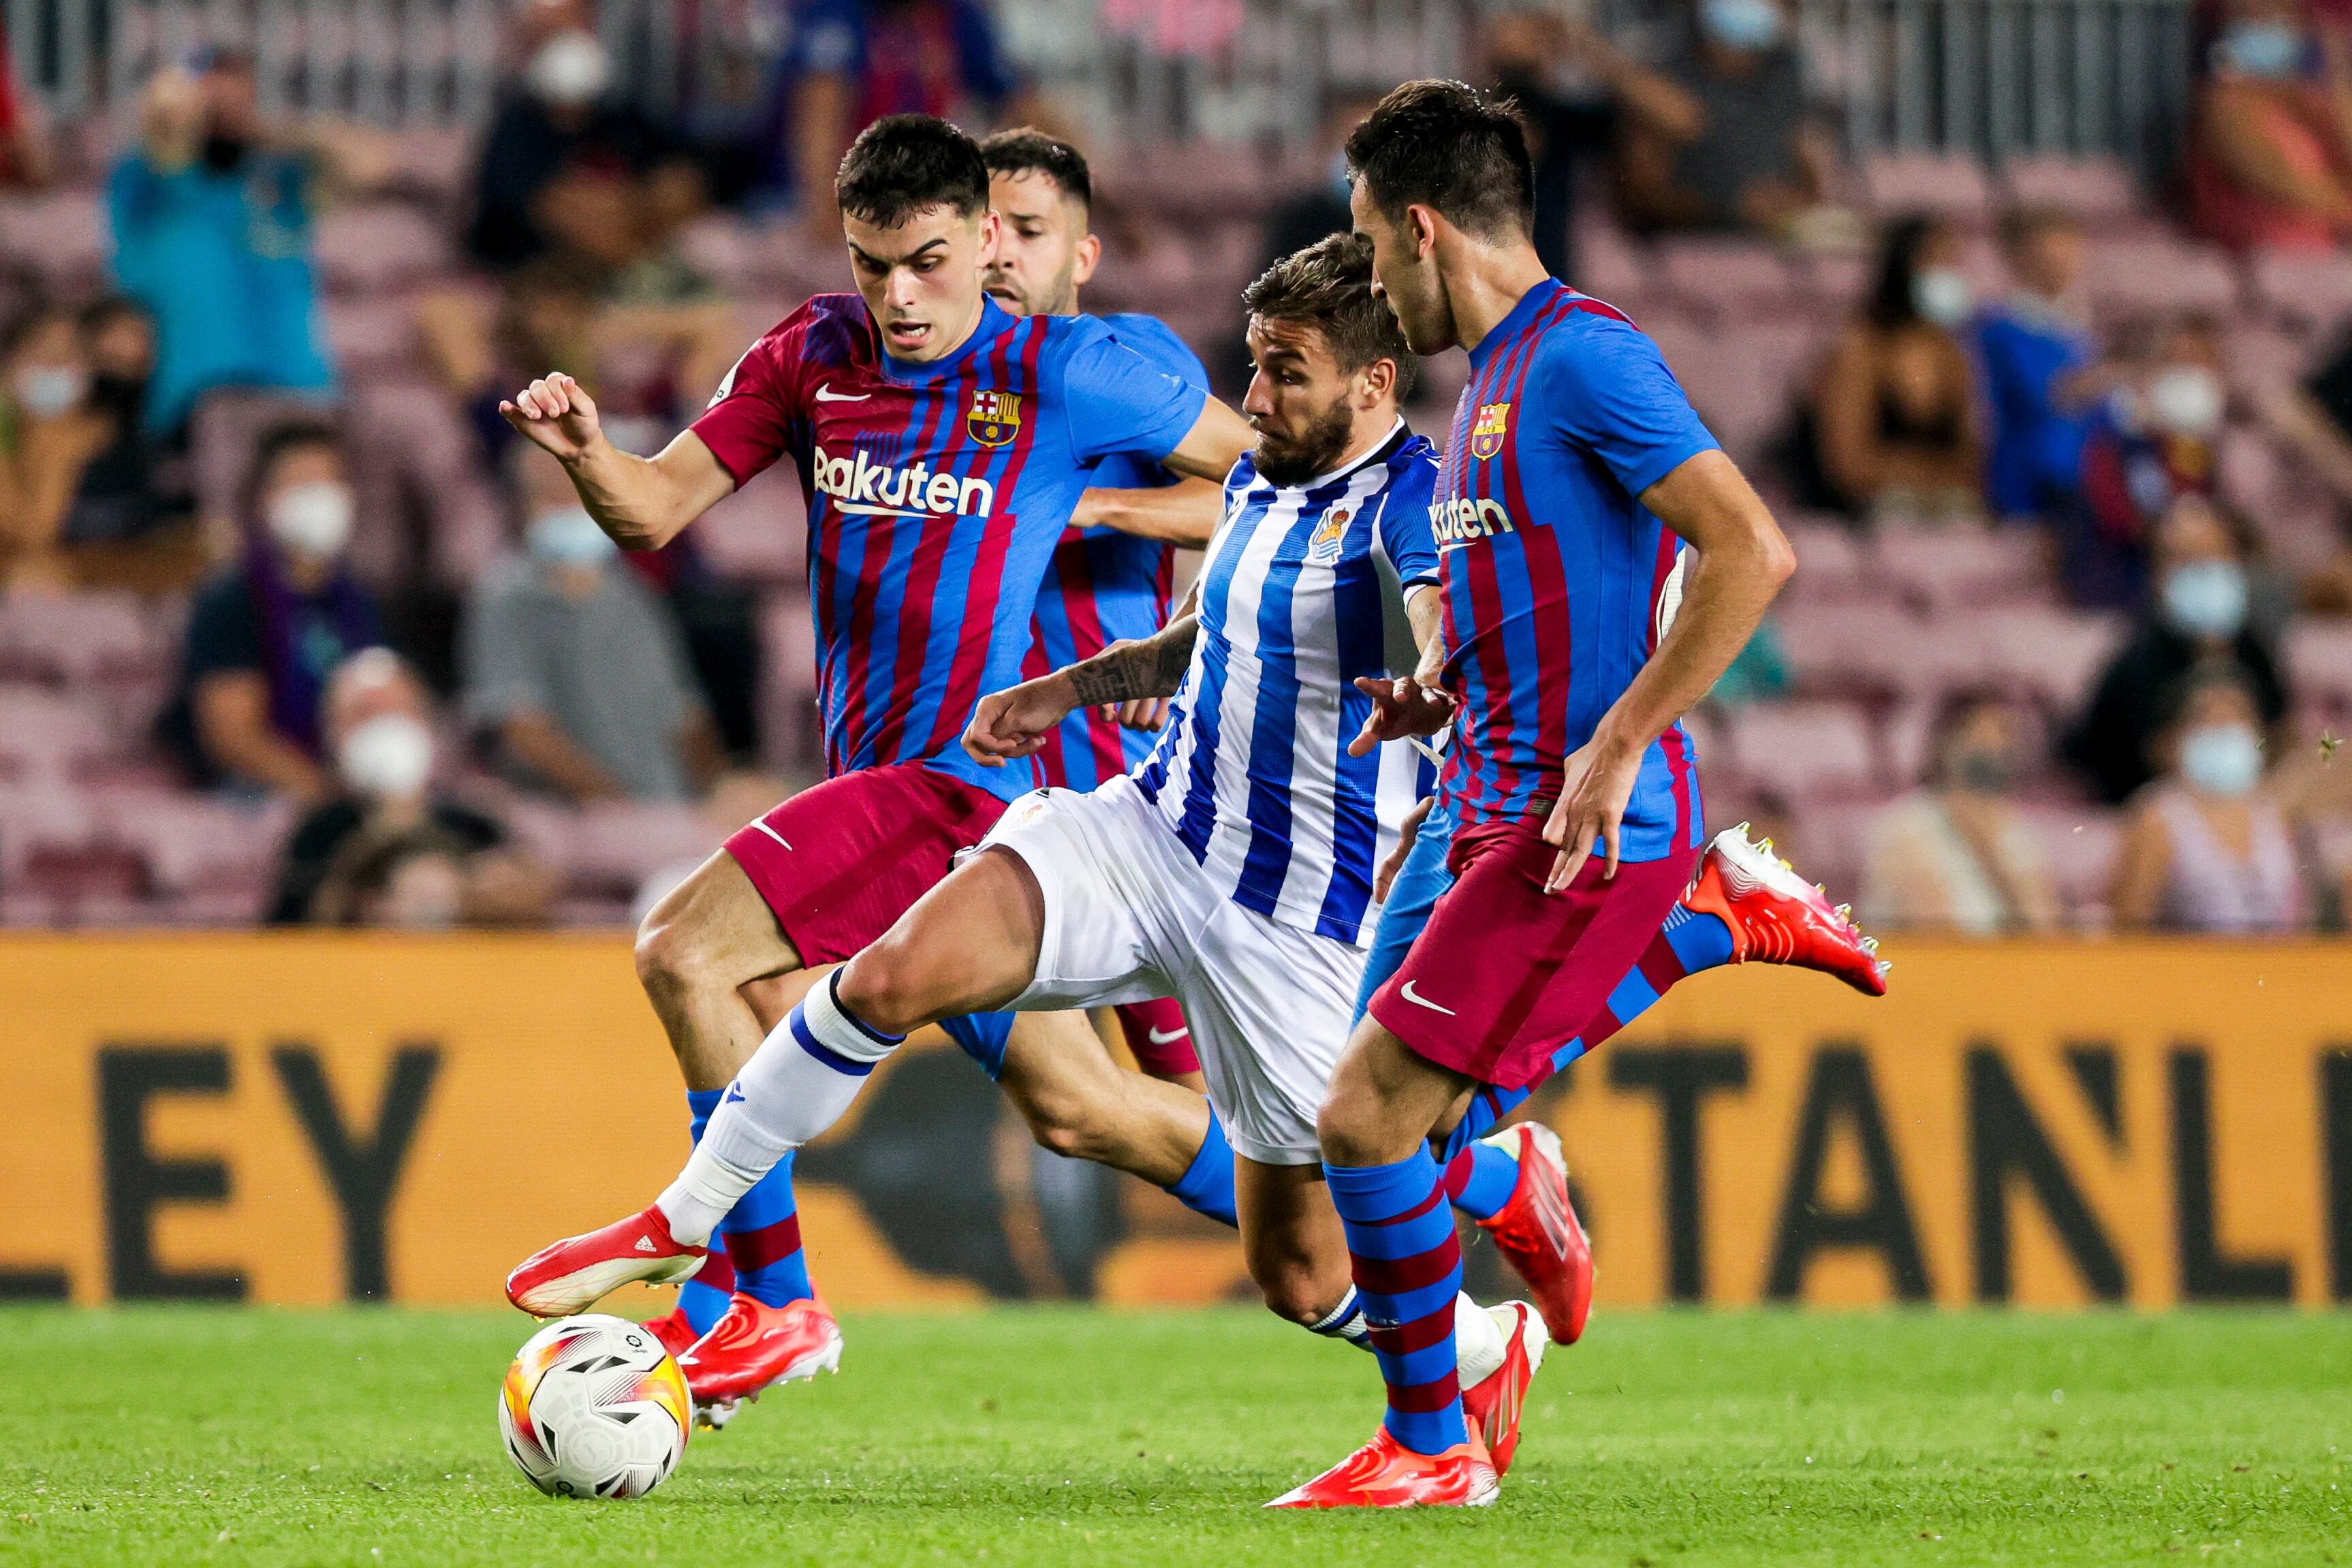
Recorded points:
(882, 987)
(1065, 1124)
(668, 958)
(1346, 1130)
(1293, 1293)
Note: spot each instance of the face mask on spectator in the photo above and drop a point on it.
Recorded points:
(2206, 598)
(391, 754)
(2222, 759)
(1743, 24)
(313, 520)
(568, 536)
(50, 390)
(2186, 400)
(1942, 296)
(2272, 50)
(570, 70)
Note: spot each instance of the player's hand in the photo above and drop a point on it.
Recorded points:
(1014, 723)
(1408, 833)
(1401, 706)
(556, 412)
(1595, 788)
(1136, 712)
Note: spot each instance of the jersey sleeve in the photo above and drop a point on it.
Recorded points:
(1608, 391)
(1403, 529)
(752, 417)
(1119, 402)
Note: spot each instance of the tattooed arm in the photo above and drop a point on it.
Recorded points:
(1015, 723)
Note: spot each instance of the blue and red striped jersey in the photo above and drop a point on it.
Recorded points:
(936, 495)
(1106, 586)
(1556, 575)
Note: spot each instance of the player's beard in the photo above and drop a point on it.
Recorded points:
(1316, 451)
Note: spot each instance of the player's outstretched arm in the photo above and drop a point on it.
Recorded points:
(1184, 513)
(1213, 446)
(643, 502)
(1739, 560)
(1014, 722)
(1416, 704)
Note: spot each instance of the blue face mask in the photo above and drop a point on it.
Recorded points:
(2206, 598)
(1743, 24)
(2271, 51)
(2221, 759)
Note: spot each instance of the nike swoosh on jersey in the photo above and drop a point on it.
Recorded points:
(1418, 1000)
(1167, 1037)
(828, 394)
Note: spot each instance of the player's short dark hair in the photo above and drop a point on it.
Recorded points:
(1025, 150)
(906, 164)
(1329, 287)
(1448, 146)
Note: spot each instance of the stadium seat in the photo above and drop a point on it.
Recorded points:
(2260, 359)
(59, 237)
(39, 814)
(1828, 841)
(416, 465)
(77, 638)
(1833, 565)
(365, 251)
(1952, 188)
(2098, 193)
(2081, 843)
(2319, 664)
(2155, 276)
(190, 843)
(372, 337)
(789, 731)
(760, 534)
(1837, 280)
(2049, 655)
(1850, 648)
(1611, 267)
(1805, 750)
(2311, 293)
(45, 737)
(1940, 568)
(1729, 277)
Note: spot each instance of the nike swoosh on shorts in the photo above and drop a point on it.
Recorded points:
(1166, 1036)
(1418, 1000)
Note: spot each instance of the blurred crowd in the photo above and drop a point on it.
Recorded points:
(293, 628)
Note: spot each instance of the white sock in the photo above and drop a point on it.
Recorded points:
(797, 1084)
(1478, 1343)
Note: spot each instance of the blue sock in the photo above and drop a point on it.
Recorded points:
(1408, 1271)
(703, 1299)
(764, 1240)
(1481, 1180)
(1207, 1185)
(1700, 940)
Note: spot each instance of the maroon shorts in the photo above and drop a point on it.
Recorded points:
(1159, 1038)
(1505, 972)
(841, 862)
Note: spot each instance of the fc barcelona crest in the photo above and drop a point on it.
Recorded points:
(994, 418)
(1486, 435)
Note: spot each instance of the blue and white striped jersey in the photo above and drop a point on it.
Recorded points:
(1302, 590)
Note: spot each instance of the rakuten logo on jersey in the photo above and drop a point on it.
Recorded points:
(1459, 522)
(859, 485)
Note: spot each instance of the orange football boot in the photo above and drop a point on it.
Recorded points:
(1492, 1403)
(576, 1273)
(1384, 1473)
(1538, 1230)
(755, 1345)
(1778, 917)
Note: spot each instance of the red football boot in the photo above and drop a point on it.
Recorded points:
(678, 1336)
(575, 1274)
(1778, 917)
(1538, 1230)
(755, 1345)
(1384, 1473)
(1492, 1403)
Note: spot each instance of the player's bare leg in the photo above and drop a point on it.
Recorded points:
(1291, 1239)
(712, 935)
(1081, 1103)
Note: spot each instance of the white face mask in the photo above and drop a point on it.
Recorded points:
(568, 536)
(2206, 598)
(50, 390)
(313, 521)
(570, 70)
(1942, 296)
(2186, 400)
(2222, 759)
(391, 754)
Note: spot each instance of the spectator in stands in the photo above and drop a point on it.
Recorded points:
(2206, 849)
(398, 879)
(2197, 618)
(850, 62)
(2314, 422)
(132, 524)
(24, 136)
(2040, 360)
(1740, 152)
(212, 215)
(1319, 208)
(1570, 128)
(2270, 155)
(2148, 443)
(576, 668)
(378, 729)
(554, 114)
(264, 636)
(1889, 427)
(49, 434)
(1956, 855)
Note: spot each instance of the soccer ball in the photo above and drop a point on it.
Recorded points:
(593, 1406)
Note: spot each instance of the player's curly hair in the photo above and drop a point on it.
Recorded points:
(1025, 150)
(906, 164)
(1328, 286)
(1448, 146)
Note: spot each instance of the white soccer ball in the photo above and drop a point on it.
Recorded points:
(593, 1406)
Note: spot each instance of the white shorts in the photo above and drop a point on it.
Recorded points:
(1130, 915)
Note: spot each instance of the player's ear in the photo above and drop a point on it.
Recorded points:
(992, 230)
(1421, 229)
(1088, 255)
(1374, 381)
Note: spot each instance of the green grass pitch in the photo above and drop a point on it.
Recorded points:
(1055, 1436)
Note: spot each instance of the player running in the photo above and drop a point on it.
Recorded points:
(942, 444)
(1576, 464)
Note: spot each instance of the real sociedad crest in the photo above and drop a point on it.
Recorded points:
(1486, 435)
(994, 418)
(1323, 549)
